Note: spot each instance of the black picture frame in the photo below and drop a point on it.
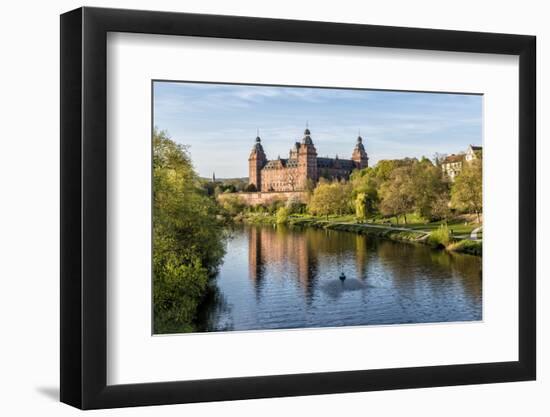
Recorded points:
(84, 207)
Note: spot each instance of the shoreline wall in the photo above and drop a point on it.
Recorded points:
(256, 198)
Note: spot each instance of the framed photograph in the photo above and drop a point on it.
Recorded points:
(257, 207)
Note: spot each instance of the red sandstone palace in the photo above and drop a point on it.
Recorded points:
(302, 164)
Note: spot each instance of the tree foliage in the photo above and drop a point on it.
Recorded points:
(430, 190)
(232, 205)
(361, 206)
(330, 198)
(398, 193)
(294, 205)
(365, 184)
(467, 192)
(282, 215)
(399, 187)
(187, 237)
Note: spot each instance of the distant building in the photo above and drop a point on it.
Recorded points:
(452, 164)
(301, 166)
(473, 152)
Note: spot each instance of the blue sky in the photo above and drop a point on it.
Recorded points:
(218, 122)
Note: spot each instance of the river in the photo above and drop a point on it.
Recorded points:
(281, 278)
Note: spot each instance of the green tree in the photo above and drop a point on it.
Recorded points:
(440, 207)
(330, 198)
(361, 206)
(294, 204)
(188, 243)
(365, 184)
(429, 189)
(232, 205)
(397, 193)
(384, 168)
(409, 185)
(467, 192)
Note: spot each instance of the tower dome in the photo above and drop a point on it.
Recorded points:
(258, 144)
(307, 138)
(359, 145)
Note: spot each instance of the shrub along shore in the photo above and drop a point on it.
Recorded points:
(440, 237)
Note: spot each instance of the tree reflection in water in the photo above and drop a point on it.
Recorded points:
(277, 277)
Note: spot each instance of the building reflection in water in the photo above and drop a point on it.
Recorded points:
(296, 253)
(299, 255)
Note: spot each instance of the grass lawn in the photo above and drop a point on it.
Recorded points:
(346, 218)
(458, 227)
(414, 222)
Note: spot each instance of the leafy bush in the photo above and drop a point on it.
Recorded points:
(294, 205)
(473, 247)
(232, 205)
(440, 237)
(282, 215)
(177, 292)
(361, 206)
(274, 205)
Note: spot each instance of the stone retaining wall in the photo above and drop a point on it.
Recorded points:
(256, 198)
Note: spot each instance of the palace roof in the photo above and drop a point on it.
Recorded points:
(276, 163)
(335, 163)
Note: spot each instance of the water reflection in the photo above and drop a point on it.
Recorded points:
(288, 278)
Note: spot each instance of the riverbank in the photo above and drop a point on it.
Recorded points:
(414, 233)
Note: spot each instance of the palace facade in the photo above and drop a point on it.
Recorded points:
(301, 167)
